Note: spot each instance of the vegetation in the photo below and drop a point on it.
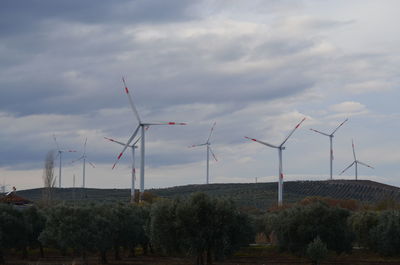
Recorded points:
(317, 251)
(201, 227)
(205, 228)
(255, 197)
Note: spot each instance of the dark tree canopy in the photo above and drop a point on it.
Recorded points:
(202, 227)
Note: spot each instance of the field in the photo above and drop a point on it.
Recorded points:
(255, 195)
(247, 256)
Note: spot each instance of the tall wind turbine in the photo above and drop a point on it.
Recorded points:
(355, 162)
(83, 158)
(280, 149)
(330, 140)
(142, 126)
(208, 144)
(133, 147)
(60, 155)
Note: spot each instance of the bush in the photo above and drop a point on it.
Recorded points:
(386, 234)
(202, 227)
(296, 227)
(317, 251)
(362, 223)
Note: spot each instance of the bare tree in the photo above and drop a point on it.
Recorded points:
(48, 177)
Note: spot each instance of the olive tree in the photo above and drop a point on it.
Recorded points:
(296, 227)
(202, 227)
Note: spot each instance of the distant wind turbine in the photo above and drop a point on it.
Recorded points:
(330, 140)
(133, 147)
(208, 144)
(60, 155)
(355, 162)
(83, 158)
(142, 125)
(280, 148)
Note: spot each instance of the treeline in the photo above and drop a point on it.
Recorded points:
(316, 225)
(201, 227)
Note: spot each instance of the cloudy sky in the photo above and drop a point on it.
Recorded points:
(254, 67)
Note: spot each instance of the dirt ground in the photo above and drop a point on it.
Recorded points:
(248, 256)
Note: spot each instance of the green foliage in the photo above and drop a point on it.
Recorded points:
(13, 229)
(95, 228)
(201, 226)
(296, 227)
(165, 230)
(386, 234)
(129, 226)
(361, 224)
(70, 227)
(317, 251)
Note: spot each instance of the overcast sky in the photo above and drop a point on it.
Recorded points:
(256, 68)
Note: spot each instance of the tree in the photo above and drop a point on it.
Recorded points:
(362, 223)
(165, 230)
(48, 177)
(386, 234)
(129, 225)
(70, 227)
(317, 251)
(202, 227)
(104, 223)
(34, 222)
(298, 226)
(12, 230)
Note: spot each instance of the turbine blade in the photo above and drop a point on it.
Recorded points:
(126, 145)
(347, 168)
(261, 142)
(91, 164)
(84, 146)
(137, 140)
(290, 134)
(340, 125)
(354, 152)
(364, 164)
(131, 101)
(195, 145)
(55, 140)
(76, 160)
(165, 123)
(320, 132)
(213, 154)
(211, 131)
(114, 141)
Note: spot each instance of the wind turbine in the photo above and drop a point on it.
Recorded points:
(330, 140)
(355, 162)
(142, 126)
(60, 155)
(133, 147)
(208, 144)
(280, 149)
(83, 157)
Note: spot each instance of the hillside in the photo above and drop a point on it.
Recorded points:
(260, 195)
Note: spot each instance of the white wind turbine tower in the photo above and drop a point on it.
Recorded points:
(330, 140)
(59, 151)
(208, 144)
(83, 158)
(355, 162)
(280, 149)
(142, 125)
(133, 147)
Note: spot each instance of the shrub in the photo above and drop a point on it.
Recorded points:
(317, 251)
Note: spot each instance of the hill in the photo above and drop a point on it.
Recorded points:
(259, 195)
